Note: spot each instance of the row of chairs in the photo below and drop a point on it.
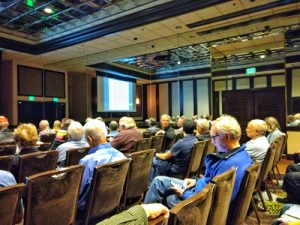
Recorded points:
(10, 149)
(52, 196)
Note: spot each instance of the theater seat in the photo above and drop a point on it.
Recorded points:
(8, 149)
(52, 196)
(142, 144)
(6, 162)
(73, 156)
(10, 198)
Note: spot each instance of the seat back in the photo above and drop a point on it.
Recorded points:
(142, 144)
(106, 190)
(6, 162)
(267, 164)
(194, 210)
(280, 143)
(239, 209)
(157, 143)
(285, 137)
(12, 142)
(8, 149)
(38, 162)
(73, 156)
(44, 146)
(211, 148)
(48, 138)
(10, 198)
(52, 196)
(197, 158)
(138, 176)
(222, 194)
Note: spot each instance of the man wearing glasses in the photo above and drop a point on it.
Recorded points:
(225, 133)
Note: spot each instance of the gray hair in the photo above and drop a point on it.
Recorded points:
(127, 122)
(259, 125)
(228, 125)
(95, 129)
(203, 123)
(165, 115)
(75, 131)
(44, 124)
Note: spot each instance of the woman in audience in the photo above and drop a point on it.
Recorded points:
(273, 129)
(56, 126)
(26, 137)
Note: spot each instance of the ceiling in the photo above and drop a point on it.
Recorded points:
(146, 36)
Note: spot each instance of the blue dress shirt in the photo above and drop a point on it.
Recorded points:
(98, 155)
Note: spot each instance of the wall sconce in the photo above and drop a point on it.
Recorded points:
(137, 100)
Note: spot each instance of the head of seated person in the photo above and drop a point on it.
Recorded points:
(95, 132)
(3, 123)
(256, 128)
(113, 125)
(44, 124)
(152, 122)
(127, 123)
(165, 121)
(188, 126)
(56, 125)
(272, 124)
(75, 131)
(202, 126)
(25, 136)
(180, 121)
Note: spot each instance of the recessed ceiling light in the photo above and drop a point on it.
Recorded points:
(48, 10)
(178, 62)
(262, 56)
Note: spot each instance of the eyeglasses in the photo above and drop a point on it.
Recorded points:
(214, 136)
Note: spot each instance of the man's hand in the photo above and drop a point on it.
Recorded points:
(178, 190)
(160, 132)
(155, 210)
(189, 183)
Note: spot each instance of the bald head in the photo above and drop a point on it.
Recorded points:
(256, 128)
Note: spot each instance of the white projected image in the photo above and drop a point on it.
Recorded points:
(118, 95)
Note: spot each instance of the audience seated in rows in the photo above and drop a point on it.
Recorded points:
(62, 134)
(26, 137)
(293, 120)
(6, 135)
(174, 162)
(258, 146)
(44, 128)
(166, 130)
(179, 125)
(124, 141)
(75, 140)
(203, 130)
(225, 133)
(152, 129)
(56, 126)
(113, 127)
(273, 129)
(137, 215)
(101, 152)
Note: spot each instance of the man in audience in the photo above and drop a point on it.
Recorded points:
(203, 130)
(101, 152)
(166, 130)
(44, 128)
(179, 125)
(75, 140)
(113, 126)
(176, 160)
(137, 215)
(6, 134)
(225, 133)
(152, 129)
(124, 141)
(291, 184)
(258, 146)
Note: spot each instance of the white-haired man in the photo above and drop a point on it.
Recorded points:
(166, 130)
(100, 153)
(124, 141)
(258, 146)
(75, 140)
(44, 128)
(225, 133)
(203, 129)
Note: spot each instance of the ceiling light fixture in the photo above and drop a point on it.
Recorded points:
(262, 56)
(48, 10)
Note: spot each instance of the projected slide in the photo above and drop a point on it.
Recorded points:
(115, 95)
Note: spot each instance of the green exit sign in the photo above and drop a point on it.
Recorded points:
(250, 70)
(31, 98)
(55, 99)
